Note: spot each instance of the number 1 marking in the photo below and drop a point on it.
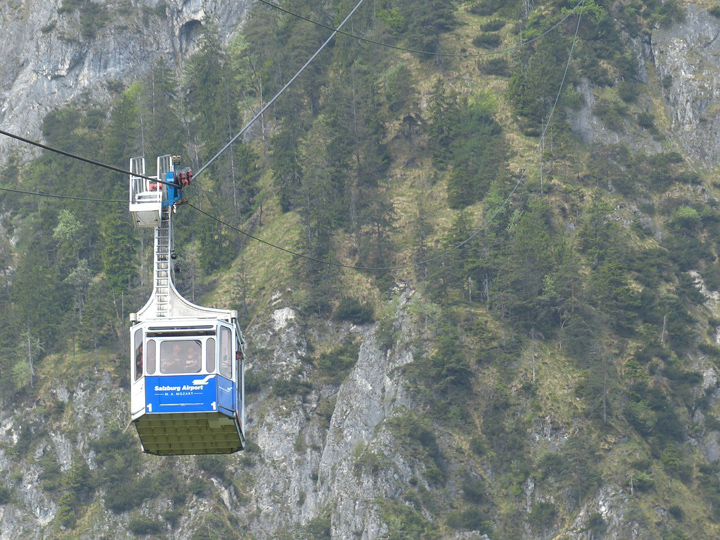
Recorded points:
(149, 407)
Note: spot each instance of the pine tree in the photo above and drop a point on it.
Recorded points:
(118, 248)
(314, 204)
(248, 174)
(99, 323)
(457, 266)
(264, 51)
(39, 296)
(162, 129)
(215, 248)
(477, 152)
(377, 217)
(123, 138)
(442, 117)
(286, 164)
(536, 81)
(206, 86)
(427, 20)
(400, 90)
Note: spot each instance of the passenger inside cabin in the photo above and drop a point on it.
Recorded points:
(192, 359)
(138, 362)
(181, 357)
(173, 362)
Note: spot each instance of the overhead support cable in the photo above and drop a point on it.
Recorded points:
(41, 194)
(274, 246)
(282, 90)
(80, 158)
(417, 51)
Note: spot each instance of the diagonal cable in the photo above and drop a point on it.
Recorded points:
(282, 90)
(469, 238)
(80, 158)
(41, 194)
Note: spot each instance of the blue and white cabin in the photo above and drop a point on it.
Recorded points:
(187, 361)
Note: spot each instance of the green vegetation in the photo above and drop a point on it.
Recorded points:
(318, 528)
(495, 66)
(352, 310)
(487, 41)
(554, 333)
(142, 526)
(337, 363)
(405, 522)
(471, 519)
(291, 387)
(93, 16)
(493, 25)
(418, 437)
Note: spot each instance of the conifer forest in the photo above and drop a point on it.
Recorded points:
(473, 249)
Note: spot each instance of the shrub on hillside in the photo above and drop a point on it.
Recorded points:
(471, 520)
(337, 363)
(487, 41)
(646, 120)
(495, 66)
(542, 515)
(485, 7)
(629, 91)
(493, 25)
(141, 525)
(352, 310)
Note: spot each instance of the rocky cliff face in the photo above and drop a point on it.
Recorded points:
(686, 57)
(54, 53)
(324, 473)
(327, 451)
(323, 462)
(682, 61)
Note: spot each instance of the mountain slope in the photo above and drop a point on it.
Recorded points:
(529, 349)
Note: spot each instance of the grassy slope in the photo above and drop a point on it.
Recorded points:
(269, 271)
(555, 401)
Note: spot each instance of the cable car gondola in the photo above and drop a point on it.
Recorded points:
(187, 361)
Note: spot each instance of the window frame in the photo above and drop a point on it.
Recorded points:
(225, 367)
(138, 351)
(151, 355)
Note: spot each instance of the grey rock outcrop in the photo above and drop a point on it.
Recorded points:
(324, 473)
(299, 468)
(686, 56)
(52, 56)
(591, 129)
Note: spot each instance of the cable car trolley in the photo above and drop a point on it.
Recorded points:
(187, 361)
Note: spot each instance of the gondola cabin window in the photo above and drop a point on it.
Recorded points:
(226, 345)
(180, 356)
(151, 357)
(138, 354)
(210, 355)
